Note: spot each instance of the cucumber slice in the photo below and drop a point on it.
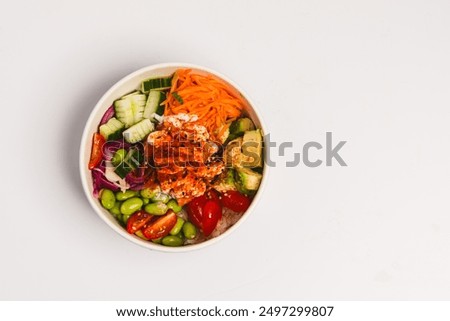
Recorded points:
(112, 129)
(118, 157)
(138, 131)
(132, 160)
(130, 109)
(158, 83)
(138, 103)
(136, 92)
(153, 105)
(124, 111)
(122, 170)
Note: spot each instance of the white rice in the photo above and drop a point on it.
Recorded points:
(229, 218)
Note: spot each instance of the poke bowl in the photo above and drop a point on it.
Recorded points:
(172, 157)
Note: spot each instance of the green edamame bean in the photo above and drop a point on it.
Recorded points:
(145, 200)
(118, 157)
(119, 219)
(122, 196)
(177, 227)
(173, 205)
(125, 219)
(131, 205)
(158, 208)
(157, 241)
(150, 192)
(141, 235)
(107, 198)
(172, 240)
(115, 210)
(189, 230)
(181, 236)
(160, 197)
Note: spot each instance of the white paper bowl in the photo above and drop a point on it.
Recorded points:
(122, 87)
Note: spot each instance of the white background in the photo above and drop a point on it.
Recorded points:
(375, 73)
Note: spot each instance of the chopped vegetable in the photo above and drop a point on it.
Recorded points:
(235, 201)
(108, 115)
(118, 157)
(178, 97)
(138, 131)
(157, 83)
(252, 148)
(97, 150)
(131, 161)
(130, 109)
(212, 213)
(161, 227)
(112, 129)
(240, 126)
(247, 181)
(99, 181)
(137, 221)
(154, 104)
(226, 183)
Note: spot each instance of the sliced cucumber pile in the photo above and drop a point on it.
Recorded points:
(135, 112)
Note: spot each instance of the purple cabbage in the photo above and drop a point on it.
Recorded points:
(98, 177)
(112, 146)
(107, 115)
(99, 181)
(137, 178)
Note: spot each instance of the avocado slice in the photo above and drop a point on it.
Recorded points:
(241, 125)
(233, 153)
(226, 183)
(247, 181)
(252, 148)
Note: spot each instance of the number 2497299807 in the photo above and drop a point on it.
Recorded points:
(295, 311)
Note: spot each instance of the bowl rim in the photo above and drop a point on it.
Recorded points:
(84, 170)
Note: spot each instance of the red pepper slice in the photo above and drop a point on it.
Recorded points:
(97, 150)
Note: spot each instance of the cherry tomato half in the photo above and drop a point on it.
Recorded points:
(195, 210)
(235, 201)
(161, 227)
(212, 194)
(195, 207)
(137, 221)
(212, 213)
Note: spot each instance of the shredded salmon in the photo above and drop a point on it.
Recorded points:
(183, 157)
(213, 101)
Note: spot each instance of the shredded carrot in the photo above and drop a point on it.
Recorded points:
(213, 101)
